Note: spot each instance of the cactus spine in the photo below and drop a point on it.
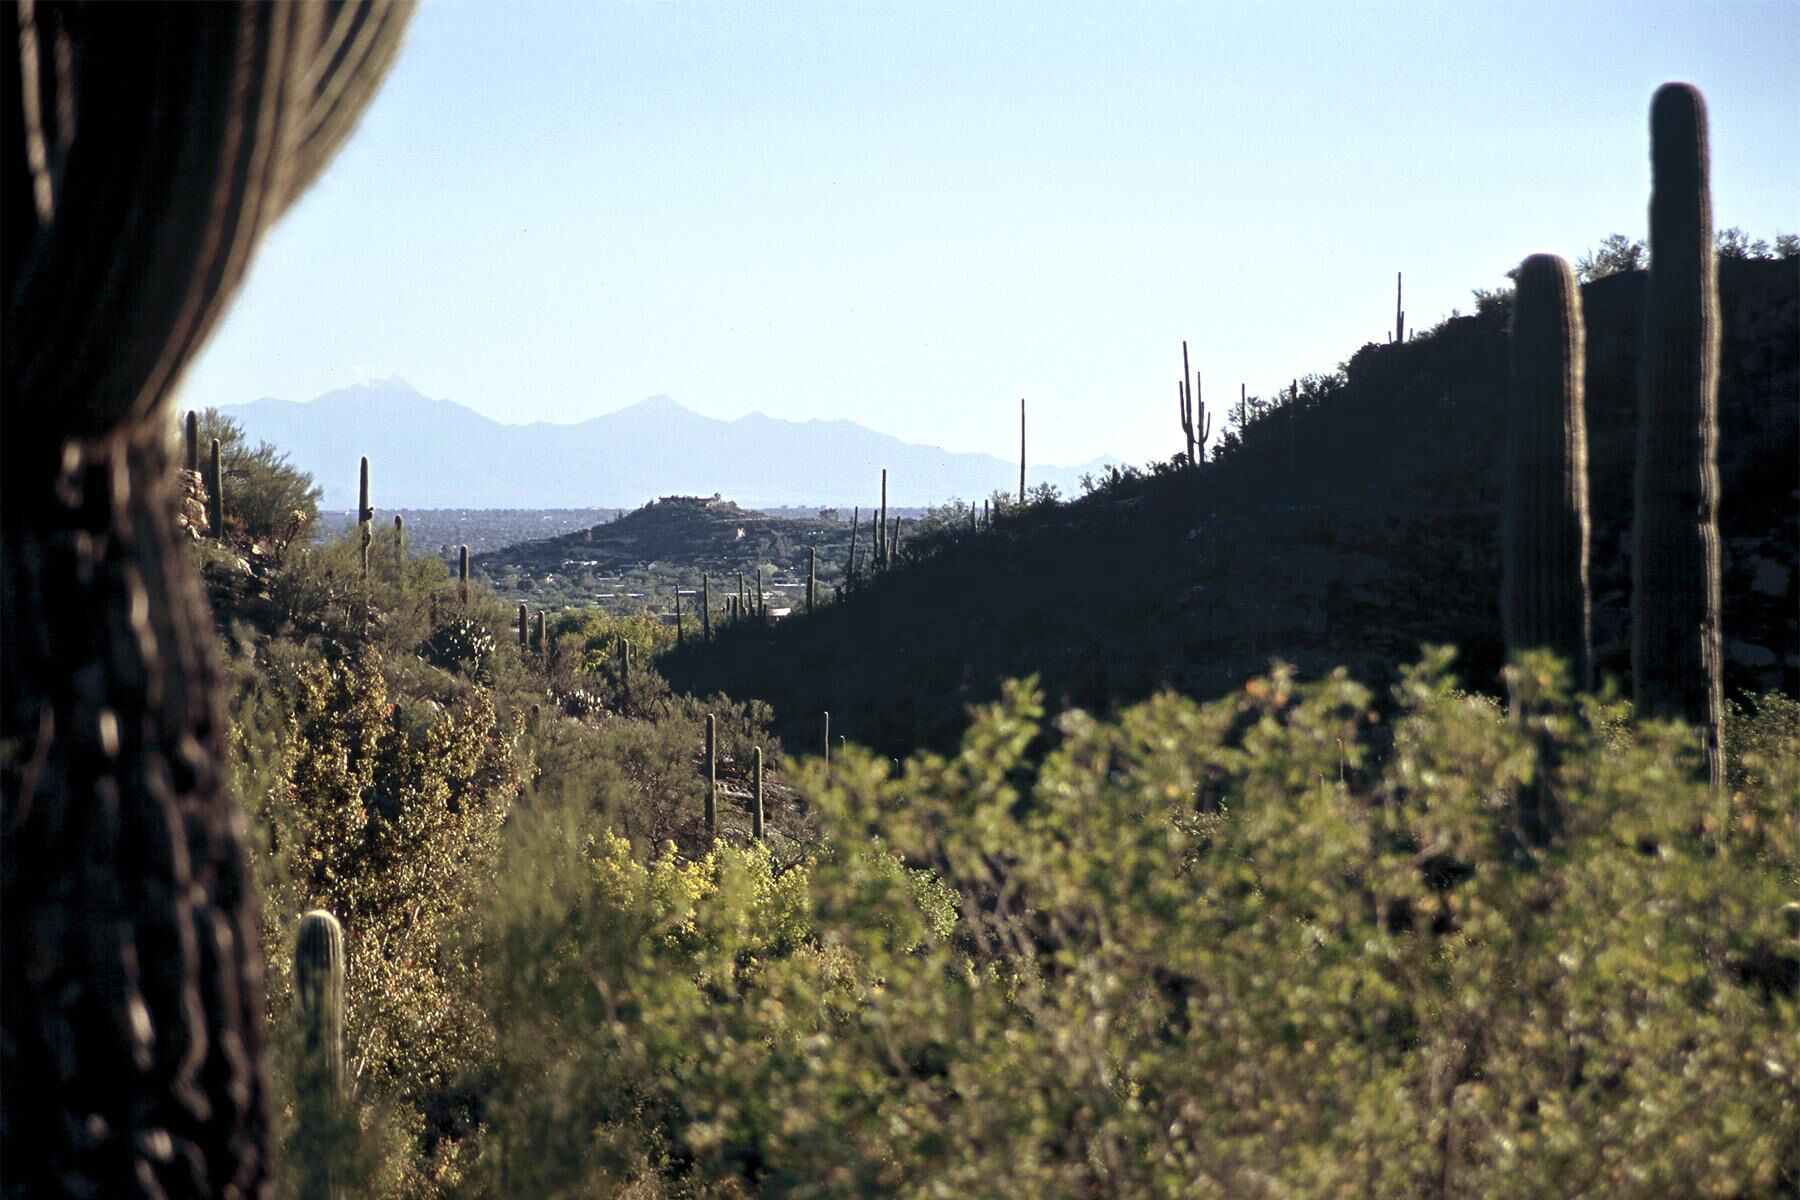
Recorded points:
(1544, 589)
(193, 442)
(1675, 634)
(756, 795)
(365, 515)
(712, 774)
(462, 574)
(216, 499)
(319, 996)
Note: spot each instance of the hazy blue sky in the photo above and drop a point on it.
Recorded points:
(910, 215)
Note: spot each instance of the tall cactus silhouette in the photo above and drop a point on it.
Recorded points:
(216, 493)
(1675, 634)
(1195, 422)
(1544, 531)
(399, 540)
(462, 574)
(1399, 312)
(524, 628)
(365, 515)
(706, 607)
(319, 996)
(543, 634)
(881, 543)
(712, 774)
(192, 442)
(812, 576)
(756, 794)
(1021, 452)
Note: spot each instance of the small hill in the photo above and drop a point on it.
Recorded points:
(1347, 528)
(688, 531)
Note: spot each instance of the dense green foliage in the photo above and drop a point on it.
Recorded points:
(266, 496)
(1266, 946)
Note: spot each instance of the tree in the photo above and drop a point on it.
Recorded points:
(1615, 254)
(1736, 244)
(161, 142)
(263, 489)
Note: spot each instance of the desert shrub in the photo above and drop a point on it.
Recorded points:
(385, 810)
(1271, 945)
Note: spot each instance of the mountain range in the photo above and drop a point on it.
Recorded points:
(427, 453)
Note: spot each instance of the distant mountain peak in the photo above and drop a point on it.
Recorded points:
(657, 404)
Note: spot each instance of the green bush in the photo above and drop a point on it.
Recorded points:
(1272, 945)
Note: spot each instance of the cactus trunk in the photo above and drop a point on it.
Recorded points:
(706, 607)
(812, 576)
(216, 493)
(192, 458)
(543, 632)
(756, 795)
(712, 774)
(462, 574)
(1675, 630)
(1021, 452)
(319, 999)
(524, 628)
(1544, 591)
(365, 515)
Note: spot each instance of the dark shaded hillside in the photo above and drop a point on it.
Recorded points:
(1348, 528)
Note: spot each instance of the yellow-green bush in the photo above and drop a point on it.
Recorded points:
(1272, 945)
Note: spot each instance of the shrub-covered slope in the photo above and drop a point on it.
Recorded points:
(1347, 528)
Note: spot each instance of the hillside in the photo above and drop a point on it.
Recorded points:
(433, 453)
(1348, 528)
(678, 538)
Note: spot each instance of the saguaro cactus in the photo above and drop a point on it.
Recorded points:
(216, 493)
(706, 607)
(1399, 313)
(1192, 407)
(319, 1000)
(192, 458)
(712, 774)
(1021, 452)
(543, 634)
(1544, 590)
(756, 795)
(812, 576)
(850, 566)
(625, 667)
(1675, 635)
(678, 631)
(881, 543)
(399, 539)
(826, 717)
(462, 574)
(365, 515)
(524, 627)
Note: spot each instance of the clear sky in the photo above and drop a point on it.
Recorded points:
(910, 215)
